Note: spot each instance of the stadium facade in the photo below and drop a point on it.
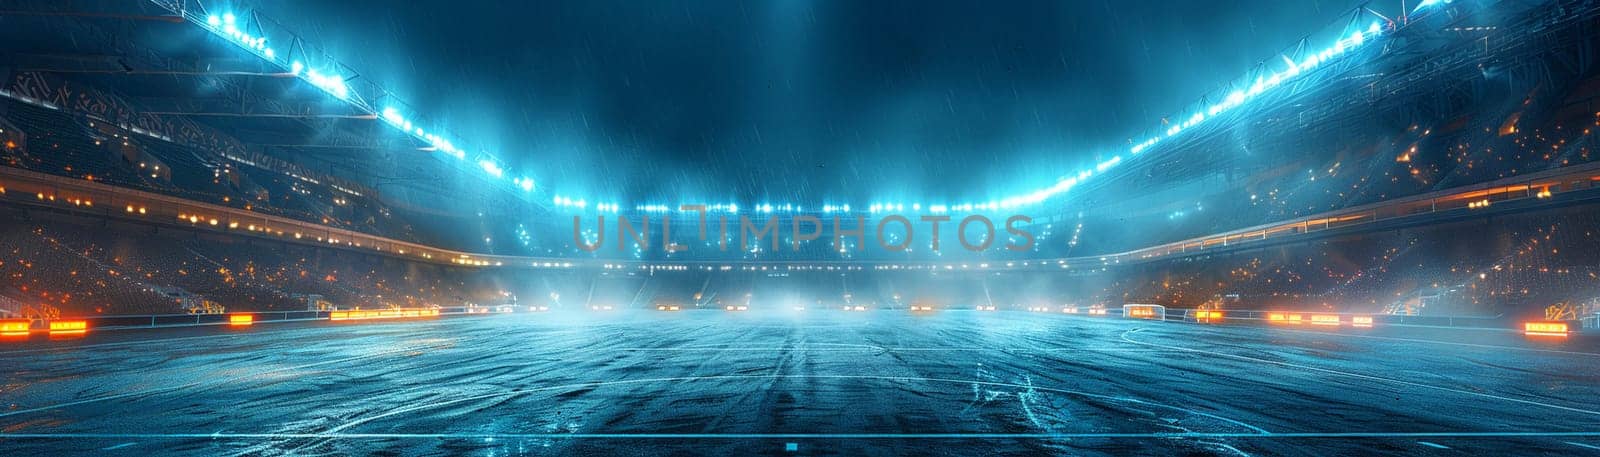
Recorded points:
(1449, 115)
(220, 240)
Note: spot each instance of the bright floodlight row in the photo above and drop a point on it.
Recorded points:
(334, 84)
(1263, 84)
(227, 25)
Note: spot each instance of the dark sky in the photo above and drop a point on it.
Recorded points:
(806, 101)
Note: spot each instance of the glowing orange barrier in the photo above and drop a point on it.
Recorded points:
(241, 320)
(1292, 318)
(1207, 315)
(1325, 319)
(1277, 317)
(60, 328)
(15, 327)
(358, 314)
(1545, 328)
(1360, 321)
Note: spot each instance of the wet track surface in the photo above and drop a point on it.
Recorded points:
(827, 383)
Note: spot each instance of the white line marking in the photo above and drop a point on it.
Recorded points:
(956, 436)
(398, 411)
(841, 347)
(1359, 375)
(1451, 343)
(1433, 445)
(120, 343)
(1583, 445)
(336, 431)
(211, 381)
(1231, 448)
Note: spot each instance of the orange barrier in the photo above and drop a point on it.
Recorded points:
(12, 328)
(241, 320)
(1286, 318)
(358, 314)
(1207, 315)
(1331, 320)
(1545, 328)
(69, 328)
(1144, 311)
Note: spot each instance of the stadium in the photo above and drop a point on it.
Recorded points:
(799, 228)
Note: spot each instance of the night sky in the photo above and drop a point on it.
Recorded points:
(802, 101)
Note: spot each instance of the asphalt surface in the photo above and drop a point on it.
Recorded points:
(818, 382)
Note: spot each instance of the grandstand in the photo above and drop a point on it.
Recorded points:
(1427, 168)
(1385, 136)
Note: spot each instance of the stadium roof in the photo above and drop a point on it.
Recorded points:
(285, 95)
